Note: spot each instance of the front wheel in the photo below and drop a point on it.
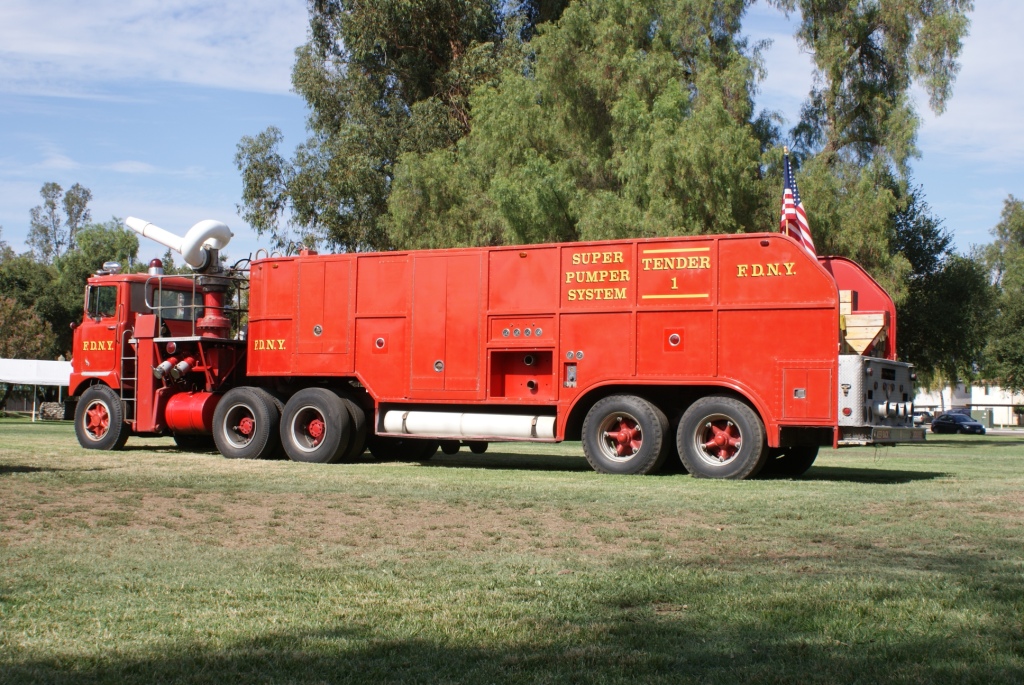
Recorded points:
(245, 424)
(99, 420)
(721, 437)
(625, 434)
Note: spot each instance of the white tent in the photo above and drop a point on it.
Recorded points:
(34, 372)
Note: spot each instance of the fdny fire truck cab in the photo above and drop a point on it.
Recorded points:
(727, 354)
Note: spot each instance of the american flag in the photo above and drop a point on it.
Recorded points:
(794, 219)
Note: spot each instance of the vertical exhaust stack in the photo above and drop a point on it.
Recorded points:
(200, 249)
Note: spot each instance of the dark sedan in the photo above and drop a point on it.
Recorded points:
(956, 423)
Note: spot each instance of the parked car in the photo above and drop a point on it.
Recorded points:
(956, 423)
(922, 417)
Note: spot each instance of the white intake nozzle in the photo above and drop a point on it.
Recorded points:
(208, 233)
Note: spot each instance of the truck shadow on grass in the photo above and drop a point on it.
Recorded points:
(578, 464)
(844, 474)
(12, 469)
(967, 443)
(507, 461)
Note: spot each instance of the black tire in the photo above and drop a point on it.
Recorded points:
(99, 419)
(245, 424)
(477, 446)
(316, 427)
(721, 437)
(790, 462)
(360, 427)
(387, 448)
(625, 434)
(450, 446)
(274, 450)
(195, 443)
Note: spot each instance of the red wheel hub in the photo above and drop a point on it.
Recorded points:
(246, 426)
(316, 430)
(627, 439)
(97, 420)
(722, 439)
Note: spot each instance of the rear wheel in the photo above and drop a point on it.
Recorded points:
(316, 427)
(477, 447)
(245, 424)
(625, 434)
(721, 437)
(450, 446)
(99, 420)
(359, 429)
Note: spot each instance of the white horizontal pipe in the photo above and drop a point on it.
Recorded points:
(461, 425)
(213, 234)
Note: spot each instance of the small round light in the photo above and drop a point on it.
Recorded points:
(172, 347)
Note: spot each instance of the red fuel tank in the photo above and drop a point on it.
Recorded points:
(191, 412)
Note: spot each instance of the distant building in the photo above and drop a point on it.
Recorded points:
(977, 398)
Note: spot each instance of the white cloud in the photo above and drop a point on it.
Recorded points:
(68, 47)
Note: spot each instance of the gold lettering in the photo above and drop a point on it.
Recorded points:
(773, 269)
(85, 345)
(618, 258)
(607, 257)
(741, 271)
(568, 277)
(757, 270)
(280, 344)
(647, 263)
(705, 262)
(576, 258)
(789, 268)
(620, 293)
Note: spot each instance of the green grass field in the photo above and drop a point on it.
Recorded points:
(518, 566)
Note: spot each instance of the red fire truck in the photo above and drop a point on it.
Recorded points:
(727, 352)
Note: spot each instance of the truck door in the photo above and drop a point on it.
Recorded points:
(100, 332)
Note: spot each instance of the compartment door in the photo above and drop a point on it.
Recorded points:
(807, 394)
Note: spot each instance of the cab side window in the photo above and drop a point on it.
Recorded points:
(102, 301)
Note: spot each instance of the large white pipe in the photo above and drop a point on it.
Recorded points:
(213, 234)
(457, 425)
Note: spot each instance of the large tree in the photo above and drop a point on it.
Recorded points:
(380, 78)
(54, 225)
(54, 291)
(858, 128)
(1006, 259)
(23, 335)
(496, 122)
(625, 118)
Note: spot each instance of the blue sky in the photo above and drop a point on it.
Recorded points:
(144, 104)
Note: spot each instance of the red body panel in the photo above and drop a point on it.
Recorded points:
(754, 313)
